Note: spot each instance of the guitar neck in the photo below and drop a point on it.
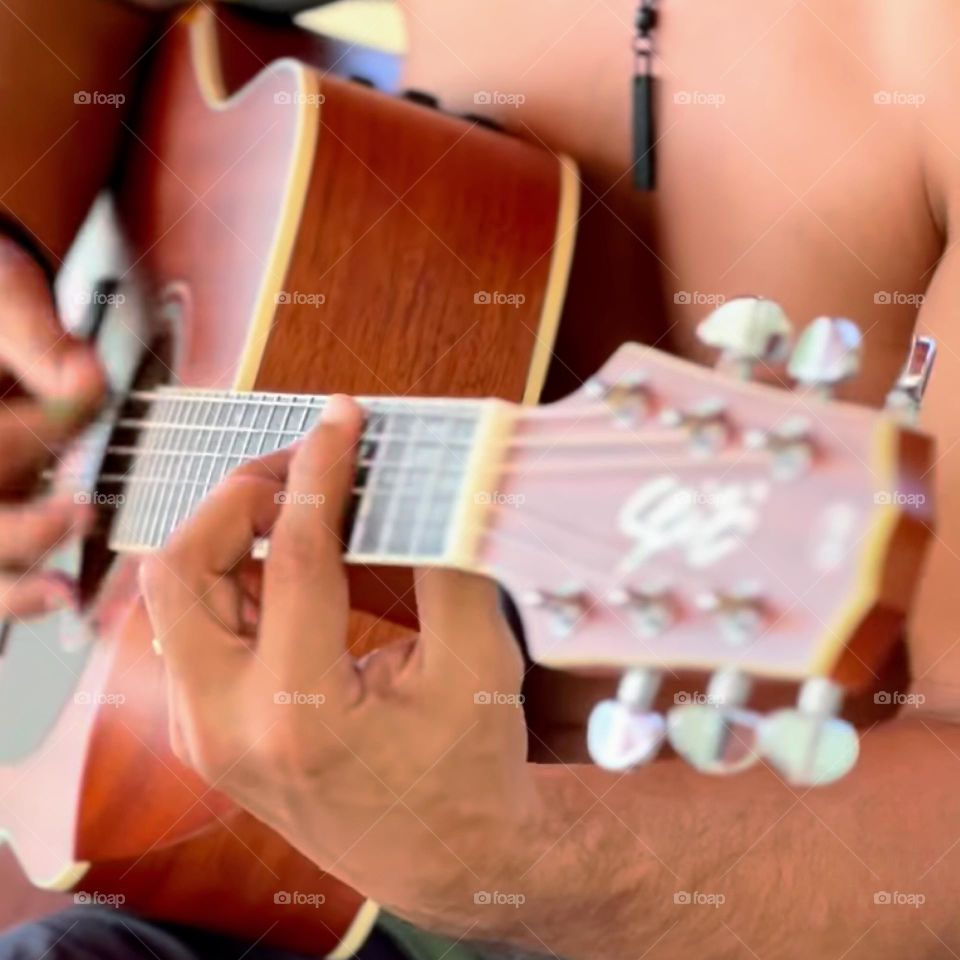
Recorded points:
(421, 466)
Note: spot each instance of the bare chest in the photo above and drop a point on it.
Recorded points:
(787, 156)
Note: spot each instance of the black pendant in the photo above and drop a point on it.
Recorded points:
(644, 136)
(644, 168)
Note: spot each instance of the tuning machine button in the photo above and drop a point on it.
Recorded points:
(566, 607)
(905, 398)
(810, 746)
(790, 445)
(625, 733)
(706, 425)
(629, 398)
(718, 736)
(827, 353)
(747, 331)
(651, 609)
(739, 613)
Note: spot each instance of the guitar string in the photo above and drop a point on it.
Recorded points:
(606, 546)
(663, 434)
(521, 469)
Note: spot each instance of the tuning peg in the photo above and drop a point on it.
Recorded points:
(706, 425)
(625, 733)
(827, 353)
(650, 609)
(718, 736)
(739, 613)
(629, 399)
(747, 331)
(810, 746)
(566, 607)
(790, 444)
(905, 398)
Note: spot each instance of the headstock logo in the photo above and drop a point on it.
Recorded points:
(706, 521)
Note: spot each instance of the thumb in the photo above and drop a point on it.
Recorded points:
(34, 347)
(462, 622)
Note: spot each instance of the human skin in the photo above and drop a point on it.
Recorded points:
(801, 187)
(57, 153)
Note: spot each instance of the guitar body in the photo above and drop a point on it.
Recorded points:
(301, 234)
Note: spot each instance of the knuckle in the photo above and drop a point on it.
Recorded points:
(292, 757)
(294, 551)
(155, 576)
(210, 756)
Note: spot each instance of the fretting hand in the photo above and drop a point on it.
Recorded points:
(404, 774)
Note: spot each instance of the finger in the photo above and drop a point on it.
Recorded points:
(33, 345)
(272, 466)
(33, 595)
(28, 534)
(29, 438)
(461, 622)
(190, 587)
(305, 601)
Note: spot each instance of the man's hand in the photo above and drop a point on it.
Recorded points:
(65, 384)
(405, 773)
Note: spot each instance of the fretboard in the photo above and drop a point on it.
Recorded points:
(173, 446)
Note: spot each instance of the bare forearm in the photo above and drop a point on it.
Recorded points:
(67, 74)
(735, 867)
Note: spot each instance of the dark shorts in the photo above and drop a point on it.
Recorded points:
(99, 933)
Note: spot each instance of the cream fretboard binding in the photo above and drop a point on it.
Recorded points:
(176, 445)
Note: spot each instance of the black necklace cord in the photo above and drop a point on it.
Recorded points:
(644, 138)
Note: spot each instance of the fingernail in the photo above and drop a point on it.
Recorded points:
(57, 601)
(79, 371)
(62, 410)
(338, 409)
(62, 595)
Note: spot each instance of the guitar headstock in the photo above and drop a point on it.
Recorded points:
(667, 516)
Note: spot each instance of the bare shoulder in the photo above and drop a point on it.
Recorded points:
(920, 46)
(919, 43)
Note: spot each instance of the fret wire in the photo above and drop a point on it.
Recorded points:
(140, 503)
(252, 447)
(141, 509)
(181, 439)
(367, 498)
(258, 450)
(427, 498)
(181, 463)
(174, 505)
(134, 502)
(302, 425)
(211, 479)
(235, 449)
(155, 532)
(184, 504)
(394, 496)
(186, 452)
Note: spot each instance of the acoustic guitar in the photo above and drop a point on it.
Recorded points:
(278, 229)
(304, 235)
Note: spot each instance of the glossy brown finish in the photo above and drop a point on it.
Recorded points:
(408, 215)
(64, 98)
(868, 650)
